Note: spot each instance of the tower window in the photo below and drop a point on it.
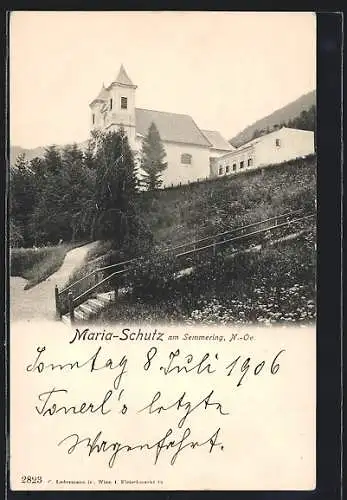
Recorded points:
(111, 104)
(278, 143)
(186, 159)
(124, 103)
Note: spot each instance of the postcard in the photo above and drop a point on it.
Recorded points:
(162, 249)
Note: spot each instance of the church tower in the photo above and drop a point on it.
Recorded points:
(115, 106)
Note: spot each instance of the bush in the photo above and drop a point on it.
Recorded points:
(152, 278)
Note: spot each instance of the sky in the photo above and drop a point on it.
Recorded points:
(225, 69)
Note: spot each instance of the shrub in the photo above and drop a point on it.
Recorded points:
(152, 278)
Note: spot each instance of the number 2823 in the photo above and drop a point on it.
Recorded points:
(31, 479)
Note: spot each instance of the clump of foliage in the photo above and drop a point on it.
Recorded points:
(51, 198)
(151, 277)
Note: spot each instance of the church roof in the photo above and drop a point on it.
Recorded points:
(172, 127)
(102, 96)
(123, 77)
(217, 140)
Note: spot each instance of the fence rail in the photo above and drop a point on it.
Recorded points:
(66, 302)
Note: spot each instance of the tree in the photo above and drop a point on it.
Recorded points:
(65, 208)
(16, 237)
(116, 186)
(22, 199)
(152, 156)
(79, 171)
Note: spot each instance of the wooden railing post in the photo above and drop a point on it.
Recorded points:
(71, 308)
(57, 302)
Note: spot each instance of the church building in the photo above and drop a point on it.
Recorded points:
(189, 150)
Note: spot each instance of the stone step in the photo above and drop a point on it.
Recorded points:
(106, 298)
(86, 309)
(79, 314)
(90, 307)
(96, 304)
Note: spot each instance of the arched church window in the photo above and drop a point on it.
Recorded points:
(186, 159)
(111, 104)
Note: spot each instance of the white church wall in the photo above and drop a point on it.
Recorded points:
(178, 172)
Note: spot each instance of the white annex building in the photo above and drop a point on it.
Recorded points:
(188, 148)
(281, 145)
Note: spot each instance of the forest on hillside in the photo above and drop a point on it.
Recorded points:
(299, 114)
(305, 121)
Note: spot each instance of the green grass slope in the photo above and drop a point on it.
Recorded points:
(189, 212)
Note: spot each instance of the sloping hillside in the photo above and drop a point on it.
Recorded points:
(189, 212)
(288, 112)
(277, 284)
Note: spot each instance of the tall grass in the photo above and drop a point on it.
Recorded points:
(37, 264)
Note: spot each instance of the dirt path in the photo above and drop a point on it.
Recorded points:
(38, 302)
